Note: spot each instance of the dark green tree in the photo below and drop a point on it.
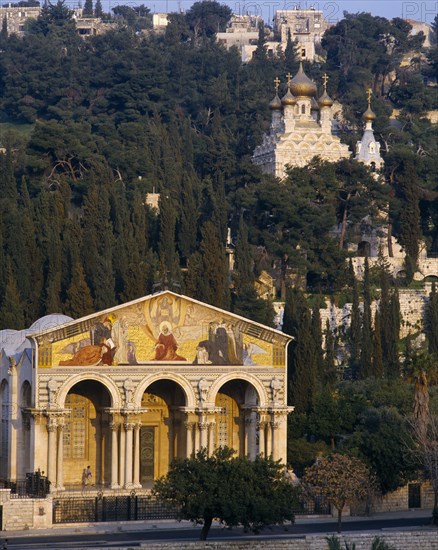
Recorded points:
(88, 10)
(366, 351)
(377, 347)
(11, 308)
(304, 364)
(236, 491)
(215, 279)
(208, 17)
(431, 321)
(98, 10)
(79, 300)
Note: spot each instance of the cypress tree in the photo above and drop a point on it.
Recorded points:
(12, 309)
(431, 321)
(98, 10)
(317, 339)
(290, 54)
(194, 280)
(246, 301)
(409, 220)
(377, 347)
(355, 331)
(385, 318)
(166, 247)
(216, 275)
(79, 300)
(294, 307)
(97, 247)
(187, 234)
(4, 30)
(88, 9)
(366, 346)
(329, 374)
(304, 367)
(393, 361)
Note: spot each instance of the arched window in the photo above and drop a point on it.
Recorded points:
(303, 109)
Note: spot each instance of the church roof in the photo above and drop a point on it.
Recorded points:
(109, 311)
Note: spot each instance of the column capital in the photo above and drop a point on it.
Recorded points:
(203, 425)
(129, 426)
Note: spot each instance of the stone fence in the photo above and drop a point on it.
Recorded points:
(404, 540)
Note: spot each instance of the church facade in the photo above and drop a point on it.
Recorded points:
(125, 390)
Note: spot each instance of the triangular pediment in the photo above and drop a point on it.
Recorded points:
(161, 328)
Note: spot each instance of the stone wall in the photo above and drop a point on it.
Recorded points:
(406, 540)
(25, 513)
(412, 305)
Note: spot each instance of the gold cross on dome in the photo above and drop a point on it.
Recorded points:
(369, 94)
(288, 76)
(277, 83)
(325, 79)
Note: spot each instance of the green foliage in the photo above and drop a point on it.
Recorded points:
(379, 544)
(236, 491)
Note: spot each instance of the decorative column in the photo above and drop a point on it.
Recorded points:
(189, 438)
(203, 425)
(114, 426)
(136, 480)
(122, 456)
(129, 428)
(250, 435)
(274, 424)
(211, 436)
(262, 438)
(278, 425)
(51, 451)
(60, 460)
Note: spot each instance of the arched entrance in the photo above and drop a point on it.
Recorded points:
(86, 435)
(162, 431)
(236, 419)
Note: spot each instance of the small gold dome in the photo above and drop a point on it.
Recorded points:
(369, 115)
(301, 85)
(325, 100)
(288, 98)
(275, 104)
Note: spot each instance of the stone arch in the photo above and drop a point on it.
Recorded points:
(364, 249)
(26, 394)
(239, 375)
(178, 379)
(103, 379)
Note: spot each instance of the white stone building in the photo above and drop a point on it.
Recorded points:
(301, 128)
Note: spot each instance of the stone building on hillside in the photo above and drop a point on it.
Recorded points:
(16, 18)
(126, 390)
(306, 27)
(302, 127)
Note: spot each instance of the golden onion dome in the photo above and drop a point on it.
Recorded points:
(275, 104)
(325, 100)
(314, 105)
(369, 115)
(288, 98)
(301, 85)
